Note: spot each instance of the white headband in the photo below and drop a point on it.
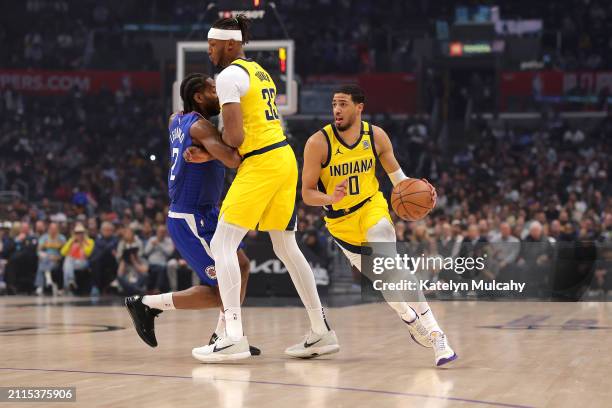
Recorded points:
(220, 34)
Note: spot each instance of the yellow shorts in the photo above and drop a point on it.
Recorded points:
(350, 231)
(262, 196)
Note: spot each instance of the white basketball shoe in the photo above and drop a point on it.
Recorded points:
(315, 345)
(419, 332)
(223, 349)
(443, 352)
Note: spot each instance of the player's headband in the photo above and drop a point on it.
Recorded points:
(220, 34)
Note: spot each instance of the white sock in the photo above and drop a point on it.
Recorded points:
(220, 330)
(233, 323)
(223, 246)
(287, 250)
(427, 317)
(402, 309)
(408, 315)
(161, 302)
(384, 231)
(317, 316)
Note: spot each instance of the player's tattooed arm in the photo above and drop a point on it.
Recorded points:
(233, 132)
(315, 155)
(207, 135)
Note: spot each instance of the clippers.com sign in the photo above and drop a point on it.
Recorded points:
(60, 82)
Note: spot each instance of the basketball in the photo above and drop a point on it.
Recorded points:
(411, 199)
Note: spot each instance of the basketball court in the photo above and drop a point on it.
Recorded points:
(511, 354)
(449, 91)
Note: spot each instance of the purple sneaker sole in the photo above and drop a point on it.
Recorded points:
(446, 360)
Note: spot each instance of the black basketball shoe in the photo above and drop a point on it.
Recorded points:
(143, 318)
(254, 350)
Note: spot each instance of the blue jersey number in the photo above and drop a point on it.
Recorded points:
(268, 94)
(175, 156)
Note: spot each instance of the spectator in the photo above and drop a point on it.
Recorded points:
(92, 227)
(316, 255)
(448, 241)
(177, 268)
(145, 232)
(535, 260)
(103, 261)
(555, 230)
(76, 253)
(421, 243)
(485, 232)
(7, 243)
(505, 252)
(39, 228)
(158, 251)
(21, 266)
(311, 241)
(449, 245)
(473, 242)
(6, 247)
(49, 256)
(473, 246)
(133, 269)
(606, 235)
(401, 232)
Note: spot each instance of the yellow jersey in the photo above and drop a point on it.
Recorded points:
(261, 122)
(357, 163)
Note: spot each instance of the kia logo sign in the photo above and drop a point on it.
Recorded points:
(269, 266)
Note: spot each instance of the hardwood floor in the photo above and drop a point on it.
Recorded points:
(510, 354)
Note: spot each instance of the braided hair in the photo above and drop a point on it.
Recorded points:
(240, 22)
(191, 84)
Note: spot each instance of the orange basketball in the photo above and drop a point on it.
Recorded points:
(411, 199)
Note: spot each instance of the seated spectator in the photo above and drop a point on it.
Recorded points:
(76, 253)
(177, 269)
(144, 231)
(535, 260)
(103, 262)
(316, 255)
(447, 241)
(401, 232)
(473, 246)
(505, 252)
(420, 241)
(92, 227)
(49, 256)
(158, 251)
(133, 270)
(448, 246)
(6, 249)
(40, 227)
(21, 266)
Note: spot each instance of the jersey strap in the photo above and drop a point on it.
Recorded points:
(346, 211)
(266, 149)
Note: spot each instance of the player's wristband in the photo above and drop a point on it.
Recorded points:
(397, 176)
